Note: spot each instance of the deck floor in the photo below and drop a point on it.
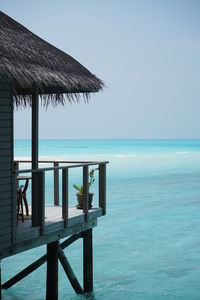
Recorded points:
(54, 221)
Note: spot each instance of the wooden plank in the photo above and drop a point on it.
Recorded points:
(5, 145)
(5, 202)
(6, 132)
(5, 85)
(5, 210)
(5, 188)
(5, 166)
(5, 94)
(6, 152)
(52, 271)
(5, 223)
(5, 124)
(5, 116)
(5, 181)
(4, 245)
(6, 139)
(5, 238)
(5, 195)
(4, 217)
(5, 108)
(6, 231)
(5, 173)
(5, 160)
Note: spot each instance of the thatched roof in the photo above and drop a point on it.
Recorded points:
(27, 61)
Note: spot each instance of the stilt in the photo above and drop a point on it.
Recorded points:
(87, 261)
(52, 271)
(69, 272)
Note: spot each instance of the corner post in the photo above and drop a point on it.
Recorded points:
(87, 261)
(52, 271)
(102, 187)
(85, 192)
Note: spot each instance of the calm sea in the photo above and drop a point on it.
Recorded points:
(147, 247)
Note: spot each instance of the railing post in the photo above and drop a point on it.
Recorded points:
(102, 187)
(38, 202)
(56, 184)
(85, 192)
(65, 196)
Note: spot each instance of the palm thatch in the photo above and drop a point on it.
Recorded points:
(28, 61)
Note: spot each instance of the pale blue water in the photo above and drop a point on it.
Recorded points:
(147, 247)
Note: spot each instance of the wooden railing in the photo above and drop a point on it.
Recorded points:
(38, 187)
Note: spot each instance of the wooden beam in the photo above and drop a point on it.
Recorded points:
(87, 261)
(52, 271)
(48, 237)
(69, 272)
(39, 262)
(32, 267)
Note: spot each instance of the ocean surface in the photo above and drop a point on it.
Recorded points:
(147, 247)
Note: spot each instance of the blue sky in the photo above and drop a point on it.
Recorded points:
(146, 52)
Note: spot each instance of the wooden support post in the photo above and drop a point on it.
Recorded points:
(52, 271)
(69, 272)
(85, 192)
(87, 261)
(35, 141)
(65, 196)
(35, 128)
(102, 187)
(38, 202)
(56, 184)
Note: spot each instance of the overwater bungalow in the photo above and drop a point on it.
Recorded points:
(32, 70)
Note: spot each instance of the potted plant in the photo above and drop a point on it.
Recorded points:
(79, 188)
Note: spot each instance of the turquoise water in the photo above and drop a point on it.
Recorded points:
(147, 247)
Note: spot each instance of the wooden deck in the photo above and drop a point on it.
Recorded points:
(54, 222)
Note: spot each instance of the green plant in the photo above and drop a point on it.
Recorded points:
(91, 180)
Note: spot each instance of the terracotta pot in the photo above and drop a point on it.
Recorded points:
(80, 200)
